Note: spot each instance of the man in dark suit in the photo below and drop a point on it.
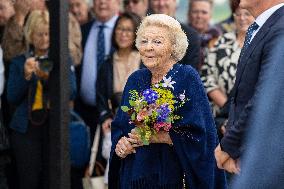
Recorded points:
(168, 7)
(262, 163)
(256, 58)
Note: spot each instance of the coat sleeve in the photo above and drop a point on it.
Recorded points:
(17, 85)
(194, 138)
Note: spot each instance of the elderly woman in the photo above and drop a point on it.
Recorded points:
(27, 90)
(183, 155)
(219, 71)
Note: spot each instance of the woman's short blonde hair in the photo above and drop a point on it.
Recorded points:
(36, 18)
(177, 36)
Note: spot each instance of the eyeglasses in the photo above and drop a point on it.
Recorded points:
(127, 31)
(246, 14)
(127, 2)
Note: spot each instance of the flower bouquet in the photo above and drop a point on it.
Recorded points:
(153, 110)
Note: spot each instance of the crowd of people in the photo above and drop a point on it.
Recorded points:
(117, 47)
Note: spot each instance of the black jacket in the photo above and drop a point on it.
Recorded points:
(192, 55)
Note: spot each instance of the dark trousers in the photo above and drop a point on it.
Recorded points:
(31, 154)
(3, 178)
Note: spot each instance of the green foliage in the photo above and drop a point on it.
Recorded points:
(124, 108)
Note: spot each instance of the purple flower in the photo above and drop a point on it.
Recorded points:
(150, 96)
(163, 112)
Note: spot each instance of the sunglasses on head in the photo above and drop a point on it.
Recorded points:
(127, 2)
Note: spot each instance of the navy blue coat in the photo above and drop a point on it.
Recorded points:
(194, 140)
(251, 73)
(17, 92)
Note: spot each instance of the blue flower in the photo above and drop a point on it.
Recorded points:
(163, 112)
(150, 96)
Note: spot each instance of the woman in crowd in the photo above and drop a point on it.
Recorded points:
(184, 155)
(115, 71)
(27, 90)
(219, 71)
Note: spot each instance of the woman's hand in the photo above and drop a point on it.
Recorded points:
(134, 139)
(124, 148)
(30, 67)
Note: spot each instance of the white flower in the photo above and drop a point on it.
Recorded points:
(168, 82)
(182, 96)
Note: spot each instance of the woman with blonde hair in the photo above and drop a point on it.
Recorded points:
(181, 155)
(27, 90)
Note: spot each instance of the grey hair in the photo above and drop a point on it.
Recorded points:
(177, 36)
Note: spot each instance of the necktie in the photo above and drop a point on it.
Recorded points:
(249, 33)
(100, 46)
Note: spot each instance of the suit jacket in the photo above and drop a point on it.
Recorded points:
(262, 163)
(251, 74)
(192, 55)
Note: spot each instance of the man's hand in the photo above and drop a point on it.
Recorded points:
(221, 157)
(232, 166)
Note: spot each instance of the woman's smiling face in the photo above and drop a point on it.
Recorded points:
(155, 47)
